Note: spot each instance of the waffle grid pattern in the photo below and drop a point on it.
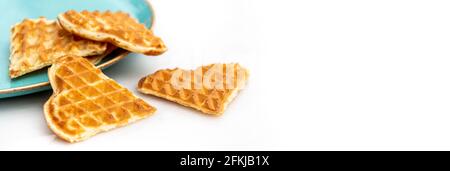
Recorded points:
(207, 99)
(87, 101)
(38, 43)
(119, 27)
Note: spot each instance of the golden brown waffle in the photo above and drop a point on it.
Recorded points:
(117, 28)
(86, 102)
(36, 44)
(191, 87)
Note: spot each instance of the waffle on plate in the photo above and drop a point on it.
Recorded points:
(118, 28)
(37, 43)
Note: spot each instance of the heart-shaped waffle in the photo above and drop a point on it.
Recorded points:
(86, 102)
(37, 43)
(117, 28)
(208, 88)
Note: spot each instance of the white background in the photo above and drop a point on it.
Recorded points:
(325, 75)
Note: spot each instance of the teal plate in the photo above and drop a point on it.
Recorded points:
(17, 10)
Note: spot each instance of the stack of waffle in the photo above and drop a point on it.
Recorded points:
(37, 43)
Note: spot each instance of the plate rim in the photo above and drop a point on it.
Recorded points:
(114, 60)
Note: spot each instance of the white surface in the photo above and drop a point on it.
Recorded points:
(325, 75)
